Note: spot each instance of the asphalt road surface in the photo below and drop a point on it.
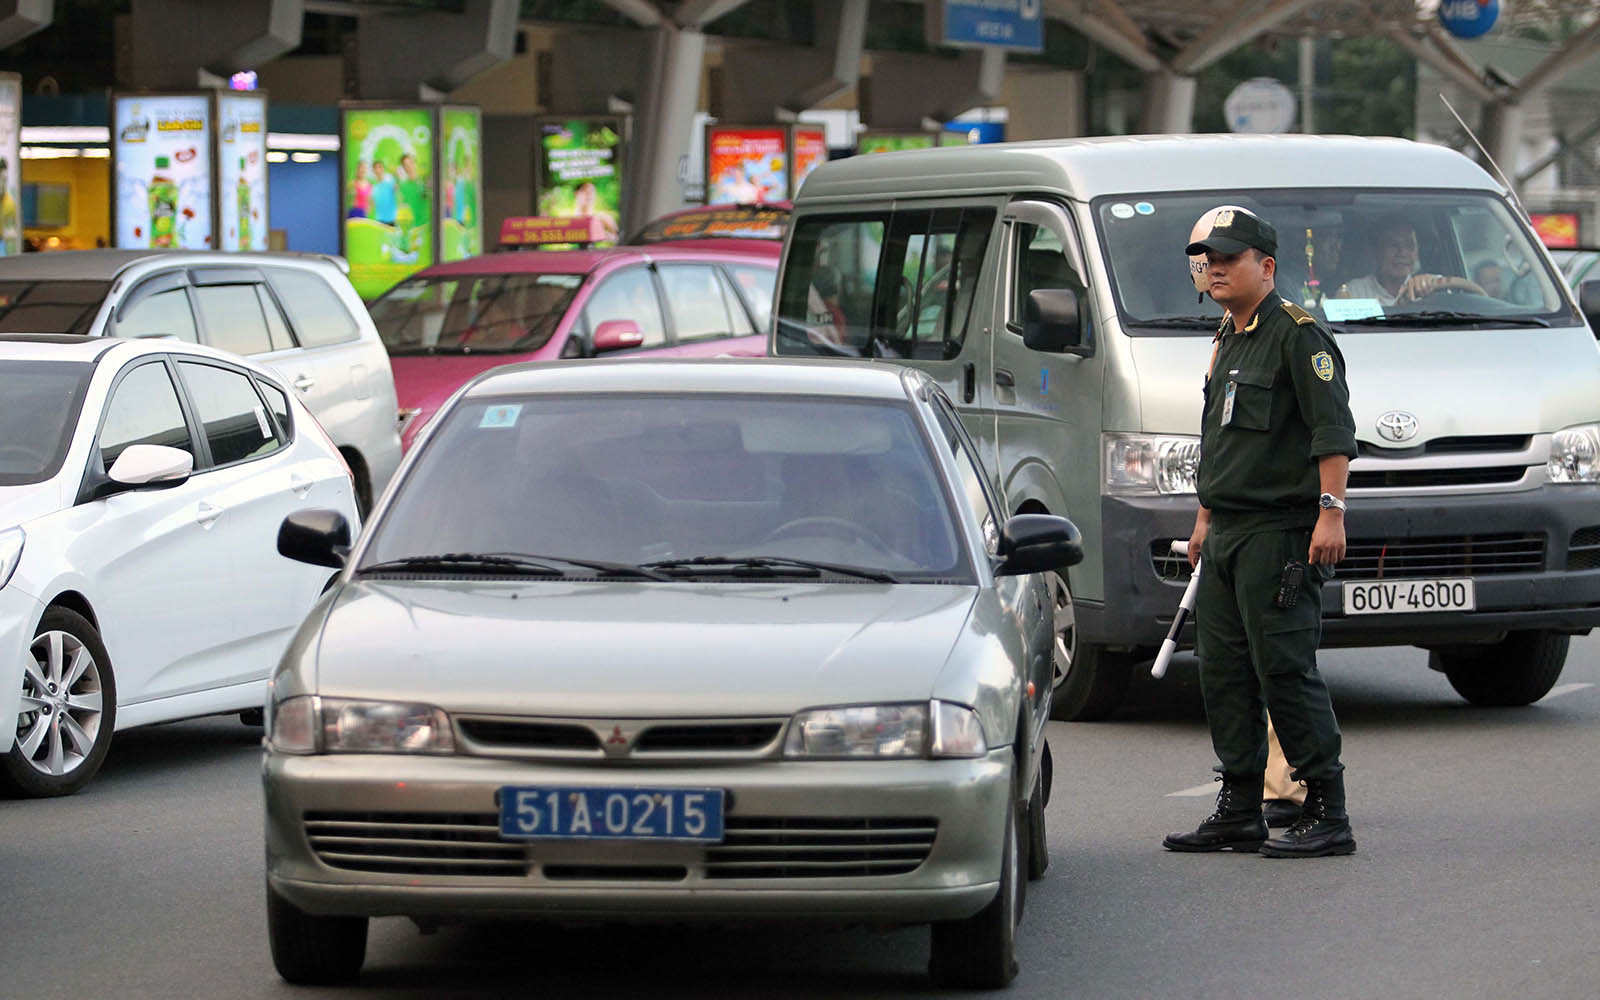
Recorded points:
(1477, 875)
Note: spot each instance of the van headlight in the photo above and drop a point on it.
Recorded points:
(878, 732)
(1575, 454)
(1150, 465)
(11, 541)
(307, 724)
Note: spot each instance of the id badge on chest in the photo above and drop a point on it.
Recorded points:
(1227, 403)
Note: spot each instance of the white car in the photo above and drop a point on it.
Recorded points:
(141, 488)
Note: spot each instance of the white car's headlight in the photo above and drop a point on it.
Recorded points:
(875, 732)
(11, 541)
(1150, 465)
(311, 724)
(1575, 454)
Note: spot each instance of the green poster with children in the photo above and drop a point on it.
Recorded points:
(387, 181)
(579, 174)
(461, 178)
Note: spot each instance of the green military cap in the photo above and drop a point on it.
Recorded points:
(1233, 231)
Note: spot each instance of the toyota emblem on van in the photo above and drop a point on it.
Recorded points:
(1397, 425)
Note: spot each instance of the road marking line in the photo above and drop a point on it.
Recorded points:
(1198, 791)
(1557, 692)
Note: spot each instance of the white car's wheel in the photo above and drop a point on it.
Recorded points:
(310, 950)
(68, 709)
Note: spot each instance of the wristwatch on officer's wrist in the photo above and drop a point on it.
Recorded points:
(1330, 502)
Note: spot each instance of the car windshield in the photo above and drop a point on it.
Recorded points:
(1345, 255)
(38, 412)
(712, 487)
(50, 306)
(473, 313)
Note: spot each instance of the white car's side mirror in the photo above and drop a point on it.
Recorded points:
(149, 464)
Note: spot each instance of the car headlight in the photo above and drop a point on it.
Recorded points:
(11, 541)
(1575, 454)
(313, 724)
(877, 732)
(1150, 465)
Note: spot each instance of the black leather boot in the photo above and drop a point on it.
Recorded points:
(1280, 813)
(1236, 825)
(1323, 828)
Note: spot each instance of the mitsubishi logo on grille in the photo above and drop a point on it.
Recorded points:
(1397, 425)
(619, 742)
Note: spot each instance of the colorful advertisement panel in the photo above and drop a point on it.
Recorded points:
(242, 171)
(460, 181)
(893, 142)
(1558, 230)
(10, 164)
(386, 181)
(578, 169)
(746, 163)
(810, 152)
(161, 155)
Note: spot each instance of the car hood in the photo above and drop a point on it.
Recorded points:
(630, 649)
(1427, 373)
(21, 504)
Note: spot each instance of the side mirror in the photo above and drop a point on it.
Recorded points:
(617, 335)
(154, 465)
(1051, 323)
(317, 536)
(1589, 303)
(1036, 543)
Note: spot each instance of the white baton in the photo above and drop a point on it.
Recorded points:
(1169, 645)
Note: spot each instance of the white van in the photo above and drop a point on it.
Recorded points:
(1045, 286)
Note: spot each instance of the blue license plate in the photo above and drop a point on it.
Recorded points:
(543, 811)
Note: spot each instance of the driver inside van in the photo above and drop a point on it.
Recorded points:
(1394, 280)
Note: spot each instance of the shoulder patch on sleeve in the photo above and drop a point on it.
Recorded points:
(1300, 316)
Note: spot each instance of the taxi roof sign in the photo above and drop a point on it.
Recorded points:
(520, 231)
(747, 222)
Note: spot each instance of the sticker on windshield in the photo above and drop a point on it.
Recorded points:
(1339, 310)
(504, 415)
(1144, 208)
(1122, 210)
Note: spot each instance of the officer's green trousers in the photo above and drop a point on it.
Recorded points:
(1255, 656)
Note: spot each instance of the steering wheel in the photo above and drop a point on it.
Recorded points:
(827, 525)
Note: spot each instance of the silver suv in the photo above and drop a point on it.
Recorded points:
(295, 313)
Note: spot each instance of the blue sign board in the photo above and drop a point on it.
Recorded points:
(1468, 18)
(1009, 24)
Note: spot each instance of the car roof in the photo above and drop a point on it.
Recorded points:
(104, 265)
(74, 347)
(686, 376)
(760, 252)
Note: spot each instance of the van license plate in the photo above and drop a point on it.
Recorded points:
(1391, 597)
(543, 811)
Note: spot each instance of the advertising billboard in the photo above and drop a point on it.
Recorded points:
(386, 193)
(242, 171)
(460, 181)
(746, 163)
(893, 142)
(1558, 230)
(810, 150)
(10, 164)
(578, 164)
(161, 151)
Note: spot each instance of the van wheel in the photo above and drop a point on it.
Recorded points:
(1518, 670)
(68, 711)
(1089, 681)
(314, 951)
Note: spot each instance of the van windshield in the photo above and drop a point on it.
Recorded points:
(473, 313)
(1347, 256)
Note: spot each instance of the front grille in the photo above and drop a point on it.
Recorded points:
(819, 847)
(1583, 552)
(1445, 555)
(1372, 479)
(1482, 444)
(465, 844)
(529, 735)
(707, 737)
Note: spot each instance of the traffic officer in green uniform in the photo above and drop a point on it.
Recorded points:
(1275, 448)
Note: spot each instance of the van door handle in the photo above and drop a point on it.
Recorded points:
(969, 382)
(206, 515)
(304, 383)
(1004, 379)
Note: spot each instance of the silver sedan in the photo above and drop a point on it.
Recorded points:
(658, 640)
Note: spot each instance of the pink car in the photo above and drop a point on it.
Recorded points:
(447, 323)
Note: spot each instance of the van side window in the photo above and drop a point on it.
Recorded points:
(937, 255)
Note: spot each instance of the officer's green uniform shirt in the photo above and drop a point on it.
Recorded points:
(1276, 401)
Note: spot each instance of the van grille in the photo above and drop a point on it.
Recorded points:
(414, 843)
(1444, 555)
(1372, 479)
(1583, 552)
(1465, 445)
(819, 847)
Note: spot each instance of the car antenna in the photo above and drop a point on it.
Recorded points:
(1510, 188)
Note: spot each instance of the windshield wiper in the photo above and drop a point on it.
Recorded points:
(1180, 322)
(770, 566)
(1430, 317)
(496, 562)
